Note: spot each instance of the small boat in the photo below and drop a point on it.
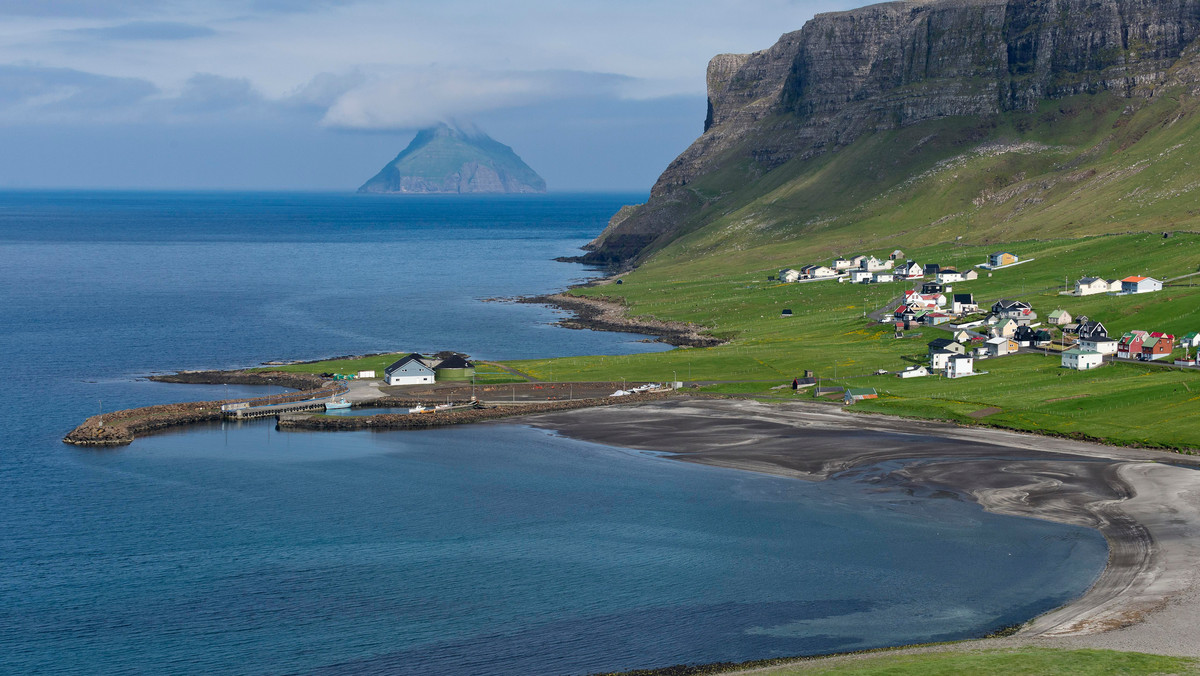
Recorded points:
(340, 403)
(417, 409)
(443, 407)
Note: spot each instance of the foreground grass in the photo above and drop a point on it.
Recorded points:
(1020, 662)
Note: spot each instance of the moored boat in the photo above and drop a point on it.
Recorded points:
(335, 404)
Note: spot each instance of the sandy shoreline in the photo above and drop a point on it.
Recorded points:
(1145, 503)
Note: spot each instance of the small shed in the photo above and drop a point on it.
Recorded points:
(854, 394)
(786, 312)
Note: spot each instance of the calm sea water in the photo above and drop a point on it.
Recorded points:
(491, 549)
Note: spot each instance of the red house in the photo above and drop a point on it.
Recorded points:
(1155, 348)
(1130, 345)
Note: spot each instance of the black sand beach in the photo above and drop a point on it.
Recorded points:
(1145, 503)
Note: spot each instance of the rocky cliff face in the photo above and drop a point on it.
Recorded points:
(847, 74)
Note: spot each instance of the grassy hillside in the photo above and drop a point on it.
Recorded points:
(1084, 186)
(1078, 167)
(1011, 662)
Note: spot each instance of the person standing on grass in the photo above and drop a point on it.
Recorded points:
(795, 385)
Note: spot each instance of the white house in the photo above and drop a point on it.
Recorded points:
(1081, 360)
(946, 275)
(408, 371)
(938, 359)
(1090, 286)
(1098, 343)
(873, 264)
(841, 264)
(817, 271)
(1137, 284)
(913, 372)
(964, 303)
(789, 275)
(1114, 286)
(960, 365)
(933, 299)
(970, 275)
(858, 261)
(861, 276)
(1190, 340)
(882, 277)
(910, 270)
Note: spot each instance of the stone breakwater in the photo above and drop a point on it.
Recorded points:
(605, 314)
(416, 421)
(119, 428)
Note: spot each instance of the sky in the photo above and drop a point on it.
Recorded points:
(595, 95)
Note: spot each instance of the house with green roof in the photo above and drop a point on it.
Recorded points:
(1081, 360)
(854, 394)
(1059, 317)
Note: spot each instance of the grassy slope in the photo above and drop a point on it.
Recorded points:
(1075, 170)
(1021, 662)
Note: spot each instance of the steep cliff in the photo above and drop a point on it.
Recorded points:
(848, 76)
(445, 159)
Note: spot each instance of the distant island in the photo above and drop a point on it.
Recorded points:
(445, 159)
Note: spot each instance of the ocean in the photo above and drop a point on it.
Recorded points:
(489, 549)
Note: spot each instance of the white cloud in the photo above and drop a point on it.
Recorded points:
(373, 64)
(416, 99)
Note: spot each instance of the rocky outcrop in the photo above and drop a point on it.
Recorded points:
(607, 314)
(296, 381)
(847, 74)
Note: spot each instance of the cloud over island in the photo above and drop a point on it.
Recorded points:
(545, 76)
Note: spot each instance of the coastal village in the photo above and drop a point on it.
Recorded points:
(991, 329)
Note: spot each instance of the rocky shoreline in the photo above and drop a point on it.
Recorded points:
(609, 314)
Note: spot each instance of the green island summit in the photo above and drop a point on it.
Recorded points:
(449, 160)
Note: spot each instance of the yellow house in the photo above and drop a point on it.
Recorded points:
(1001, 258)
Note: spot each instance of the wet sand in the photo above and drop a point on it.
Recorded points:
(1145, 503)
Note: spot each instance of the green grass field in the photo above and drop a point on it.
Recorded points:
(485, 374)
(1017, 662)
(830, 335)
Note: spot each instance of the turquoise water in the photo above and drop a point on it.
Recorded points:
(491, 549)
